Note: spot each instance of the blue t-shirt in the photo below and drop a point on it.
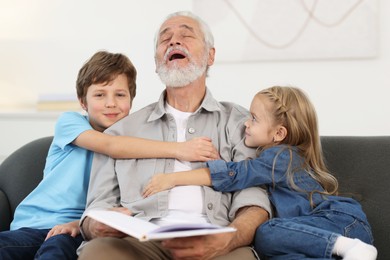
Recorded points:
(61, 196)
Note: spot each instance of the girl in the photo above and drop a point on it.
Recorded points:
(311, 221)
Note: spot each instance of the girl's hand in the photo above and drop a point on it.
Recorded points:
(71, 228)
(197, 149)
(158, 182)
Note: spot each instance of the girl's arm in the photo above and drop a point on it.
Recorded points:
(164, 181)
(230, 176)
(197, 149)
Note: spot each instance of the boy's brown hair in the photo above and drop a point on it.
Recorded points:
(104, 67)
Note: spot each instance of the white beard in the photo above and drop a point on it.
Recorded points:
(181, 76)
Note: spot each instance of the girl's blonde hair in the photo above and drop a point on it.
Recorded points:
(293, 109)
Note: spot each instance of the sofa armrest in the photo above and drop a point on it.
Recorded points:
(5, 209)
(362, 166)
(20, 173)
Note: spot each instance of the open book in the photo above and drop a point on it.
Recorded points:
(144, 230)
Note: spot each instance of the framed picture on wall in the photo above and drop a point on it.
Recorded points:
(255, 30)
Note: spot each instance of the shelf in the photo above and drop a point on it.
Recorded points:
(29, 115)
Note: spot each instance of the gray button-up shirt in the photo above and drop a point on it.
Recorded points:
(121, 182)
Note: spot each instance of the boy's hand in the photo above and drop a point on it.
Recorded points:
(71, 228)
(197, 149)
(159, 182)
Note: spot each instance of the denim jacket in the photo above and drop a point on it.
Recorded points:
(269, 169)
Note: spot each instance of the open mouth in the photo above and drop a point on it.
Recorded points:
(176, 56)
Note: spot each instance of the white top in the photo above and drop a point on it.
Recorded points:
(185, 203)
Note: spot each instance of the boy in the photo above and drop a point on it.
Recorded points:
(46, 223)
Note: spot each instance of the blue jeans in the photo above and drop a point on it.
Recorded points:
(308, 237)
(28, 243)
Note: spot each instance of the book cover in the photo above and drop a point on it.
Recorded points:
(58, 102)
(144, 230)
(59, 106)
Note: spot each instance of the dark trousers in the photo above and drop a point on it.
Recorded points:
(28, 243)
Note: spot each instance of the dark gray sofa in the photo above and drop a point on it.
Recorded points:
(361, 164)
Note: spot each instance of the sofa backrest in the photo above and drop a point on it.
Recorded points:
(362, 166)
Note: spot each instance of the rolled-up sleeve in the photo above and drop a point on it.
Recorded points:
(222, 178)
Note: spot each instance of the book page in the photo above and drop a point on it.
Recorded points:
(186, 233)
(185, 227)
(127, 224)
(144, 230)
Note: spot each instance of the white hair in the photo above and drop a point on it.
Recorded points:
(205, 29)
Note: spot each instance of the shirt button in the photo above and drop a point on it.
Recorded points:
(191, 130)
(231, 173)
(210, 206)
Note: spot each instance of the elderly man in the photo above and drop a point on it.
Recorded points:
(186, 109)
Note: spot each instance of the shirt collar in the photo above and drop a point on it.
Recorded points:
(209, 104)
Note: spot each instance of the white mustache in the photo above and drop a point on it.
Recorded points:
(172, 48)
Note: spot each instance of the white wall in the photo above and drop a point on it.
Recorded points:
(43, 43)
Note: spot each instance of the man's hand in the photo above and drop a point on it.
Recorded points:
(199, 247)
(93, 228)
(208, 247)
(71, 228)
(197, 149)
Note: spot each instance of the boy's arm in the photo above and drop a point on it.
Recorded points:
(164, 181)
(198, 149)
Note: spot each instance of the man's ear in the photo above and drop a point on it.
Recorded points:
(210, 60)
(280, 134)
